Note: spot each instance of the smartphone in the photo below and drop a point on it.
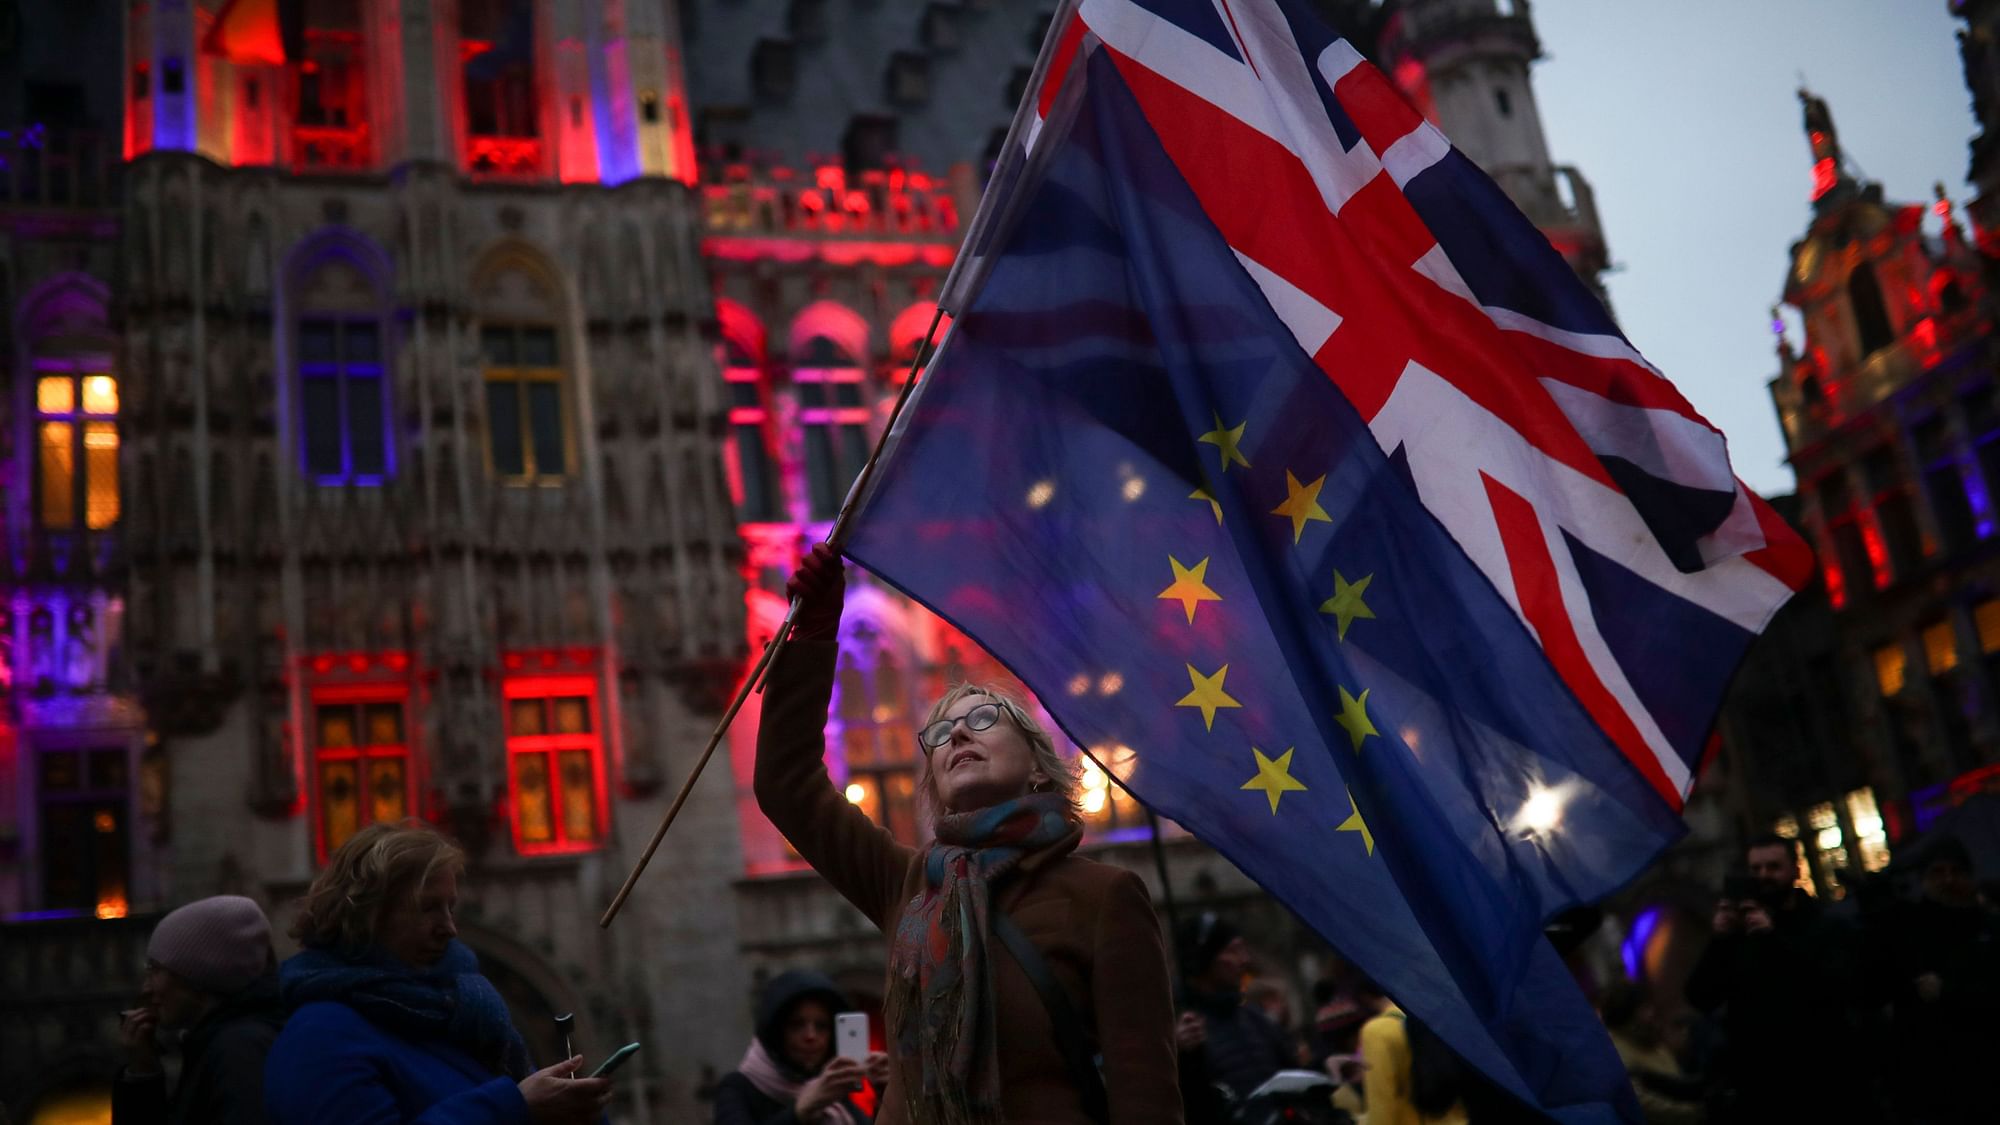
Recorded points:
(616, 1060)
(850, 1036)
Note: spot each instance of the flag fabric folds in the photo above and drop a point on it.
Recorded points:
(1122, 469)
(1589, 492)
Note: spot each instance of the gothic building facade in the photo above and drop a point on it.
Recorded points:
(414, 409)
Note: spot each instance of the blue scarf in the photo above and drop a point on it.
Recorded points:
(449, 1002)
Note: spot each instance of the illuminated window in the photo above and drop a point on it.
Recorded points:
(833, 415)
(330, 125)
(526, 420)
(84, 796)
(1871, 839)
(1986, 621)
(343, 404)
(1107, 807)
(1940, 648)
(1787, 826)
(878, 742)
(361, 760)
(502, 124)
(1889, 663)
(76, 446)
(755, 478)
(1829, 844)
(555, 769)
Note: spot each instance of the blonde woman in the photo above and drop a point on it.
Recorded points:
(971, 1033)
(391, 1020)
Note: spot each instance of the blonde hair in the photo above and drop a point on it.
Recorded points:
(1065, 778)
(380, 863)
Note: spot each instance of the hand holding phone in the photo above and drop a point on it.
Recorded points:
(850, 1036)
(616, 1060)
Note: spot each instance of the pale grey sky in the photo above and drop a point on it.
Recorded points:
(1684, 119)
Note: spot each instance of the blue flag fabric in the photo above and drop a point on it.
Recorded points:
(1122, 469)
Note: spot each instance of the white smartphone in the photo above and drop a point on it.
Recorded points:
(850, 1036)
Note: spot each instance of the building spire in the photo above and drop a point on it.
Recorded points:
(1827, 170)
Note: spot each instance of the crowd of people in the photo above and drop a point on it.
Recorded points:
(1027, 983)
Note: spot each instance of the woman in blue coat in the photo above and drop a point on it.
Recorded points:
(391, 1020)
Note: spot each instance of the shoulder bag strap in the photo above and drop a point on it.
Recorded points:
(1078, 1058)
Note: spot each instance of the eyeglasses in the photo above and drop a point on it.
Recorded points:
(939, 733)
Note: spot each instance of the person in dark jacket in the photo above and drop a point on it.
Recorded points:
(1942, 981)
(1227, 1048)
(391, 1019)
(1779, 977)
(790, 1075)
(209, 982)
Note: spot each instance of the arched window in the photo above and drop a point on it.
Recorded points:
(340, 355)
(877, 736)
(527, 393)
(76, 443)
(1871, 316)
(833, 418)
(74, 408)
(753, 472)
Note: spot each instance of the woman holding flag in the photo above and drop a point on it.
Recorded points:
(1025, 983)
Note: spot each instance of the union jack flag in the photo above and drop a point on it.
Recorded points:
(1591, 493)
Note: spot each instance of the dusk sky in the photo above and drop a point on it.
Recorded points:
(1683, 116)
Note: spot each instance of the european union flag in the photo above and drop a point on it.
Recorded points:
(1121, 462)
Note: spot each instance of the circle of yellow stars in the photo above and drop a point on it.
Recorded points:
(1348, 604)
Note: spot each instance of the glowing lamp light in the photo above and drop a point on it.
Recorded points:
(1078, 684)
(1542, 812)
(1135, 487)
(1823, 177)
(1093, 778)
(1040, 495)
(112, 906)
(1093, 801)
(1828, 838)
(1111, 684)
(856, 793)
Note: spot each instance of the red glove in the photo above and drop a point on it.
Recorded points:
(820, 585)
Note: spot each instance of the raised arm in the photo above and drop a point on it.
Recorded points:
(862, 861)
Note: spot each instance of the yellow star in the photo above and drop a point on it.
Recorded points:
(1354, 823)
(1226, 440)
(1189, 589)
(1207, 695)
(1208, 494)
(1302, 504)
(1354, 716)
(1274, 778)
(1346, 603)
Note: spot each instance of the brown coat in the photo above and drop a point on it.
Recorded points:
(1094, 924)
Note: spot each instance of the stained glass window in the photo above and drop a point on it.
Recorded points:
(555, 754)
(362, 760)
(76, 446)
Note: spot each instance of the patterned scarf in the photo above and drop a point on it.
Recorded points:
(448, 1002)
(940, 1007)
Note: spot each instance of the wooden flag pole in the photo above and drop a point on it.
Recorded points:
(754, 681)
